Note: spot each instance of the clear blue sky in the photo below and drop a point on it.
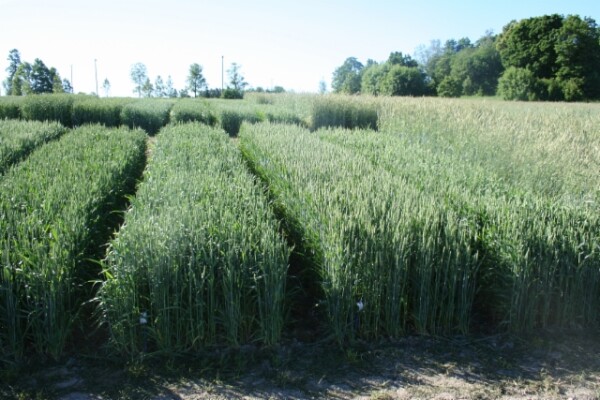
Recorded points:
(293, 44)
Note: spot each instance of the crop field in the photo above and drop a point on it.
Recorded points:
(358, 219)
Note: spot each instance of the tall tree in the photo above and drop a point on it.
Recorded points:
(347, 77)
(14, 59)
(57, 86)
(578, 58)
(530, 43)
(159, 87)
(322, 86)
(21, 82)
(372, 78)
(41, 77)
(67, 87)
(562, 54)
(401, 80)
(236, 79)
(169, 89)
(195, 80)
(397, 58)
(147, 88)
(106, 87)
(139, 76)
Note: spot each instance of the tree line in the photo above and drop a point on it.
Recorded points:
(32, 78)
(551, 57)
(25, 78)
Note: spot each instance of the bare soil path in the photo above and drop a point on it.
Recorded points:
(558, 366)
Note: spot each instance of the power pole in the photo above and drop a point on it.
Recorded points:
(72, 87)
(222, 61)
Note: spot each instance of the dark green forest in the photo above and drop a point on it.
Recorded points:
(552, 57)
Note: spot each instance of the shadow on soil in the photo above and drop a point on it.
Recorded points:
(546, 365)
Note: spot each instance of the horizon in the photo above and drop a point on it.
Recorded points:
(294, 46)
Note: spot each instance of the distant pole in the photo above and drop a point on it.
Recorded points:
(72, 87)
(222, 61)
(96, 71)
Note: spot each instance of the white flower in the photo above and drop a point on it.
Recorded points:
(360, 305)
(144, 318)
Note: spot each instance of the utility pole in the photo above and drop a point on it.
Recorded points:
(96, 71)
(222, 60)
(72, 87)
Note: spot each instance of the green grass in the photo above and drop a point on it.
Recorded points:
(199, 252)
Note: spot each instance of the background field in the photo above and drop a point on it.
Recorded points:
(327, 219)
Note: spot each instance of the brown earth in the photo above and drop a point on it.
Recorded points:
(550, 366)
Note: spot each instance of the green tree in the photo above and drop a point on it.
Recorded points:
(14, 59)
(159, 87)
(41, 78)
(147, 88)
(195, 80)
(236, 79)
(397, 58)
(21, 82)
(67, 87)
(562, 53)
(106, 87)
(518, 84)
(578, 58)
(530, 43)
(139, 76)
(450, 86)
(322, 86)
(404, 81)
(170, 91)
(347, 77)
(372, 78)
(57, 85)
(476, 68)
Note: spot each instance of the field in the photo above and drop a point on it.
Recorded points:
(354, 224)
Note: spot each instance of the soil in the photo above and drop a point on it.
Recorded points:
(555, 365)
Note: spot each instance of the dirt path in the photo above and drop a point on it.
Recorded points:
(415, 367)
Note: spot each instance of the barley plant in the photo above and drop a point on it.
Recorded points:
(199, 260)
(49, 107)
(148, 114)
(527, 176)
(190, 110)
(54, 209)
(343, 112)
(19, 138)
(94, 110)
(10, 107)
(389, 256)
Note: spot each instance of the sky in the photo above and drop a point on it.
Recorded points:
(294, 44)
